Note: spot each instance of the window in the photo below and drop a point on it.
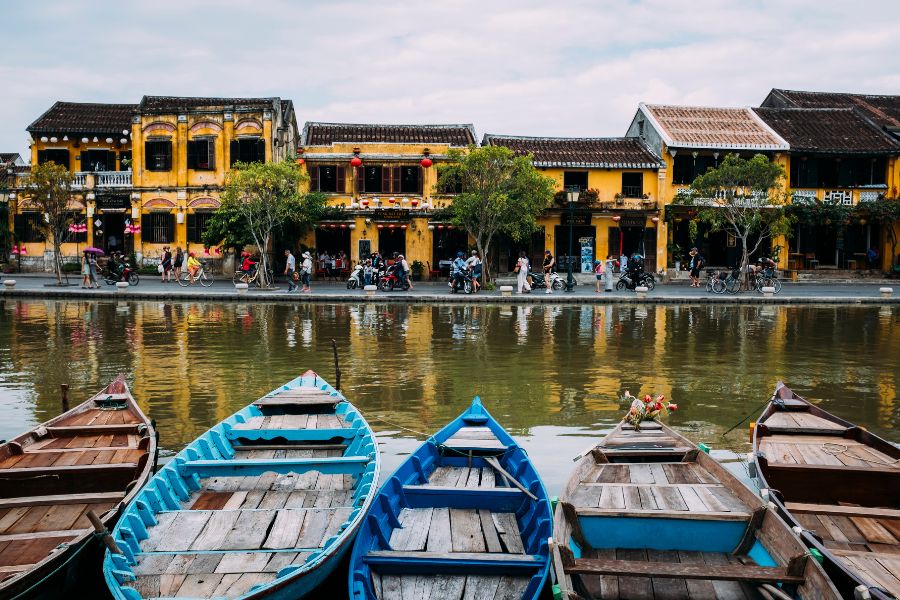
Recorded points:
(125, 160)
(160, 228)
(390, 180)
(60, 157)
(98, 160)
(196, 226)
(28, 227)
(575, 179)
(248, 150)
(158, 155)
(688, 167)
(201, 155)
(804, 172)
(813, 172)
(327, 178)
(633, 185)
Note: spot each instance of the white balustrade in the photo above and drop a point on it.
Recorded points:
(113, 178)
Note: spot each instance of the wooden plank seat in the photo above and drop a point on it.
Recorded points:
(474, 438)
(245, 467)
(96, 417)
(295, 446)
(72, 430)
(449, 587)
(494, 499)
(648, 500)
(72, 457)
(463, 477)
(488, 563)
(68, 470)
(843, 511)
(105, 497)
(820, 450)
(797, 421)
(664, 514)
(667, 570)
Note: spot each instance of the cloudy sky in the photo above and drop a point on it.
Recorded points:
(525, 67)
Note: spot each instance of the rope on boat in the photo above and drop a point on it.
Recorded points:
(386, 422)
(834, 449)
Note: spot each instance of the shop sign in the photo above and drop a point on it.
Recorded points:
(576, 219)
(392, 214)
(113, 202)
(633, 220)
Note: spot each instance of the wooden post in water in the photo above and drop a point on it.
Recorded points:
(101, 529)
(337, 368)
(64, 396)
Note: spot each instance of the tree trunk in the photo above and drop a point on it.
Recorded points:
(264, 263)
(57, 264)
(745, 262)
(485, 269)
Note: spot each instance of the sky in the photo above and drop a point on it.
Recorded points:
(555, 68)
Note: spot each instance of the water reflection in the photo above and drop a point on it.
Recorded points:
(551, 374)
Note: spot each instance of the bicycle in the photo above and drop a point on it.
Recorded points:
(715, 283)
(767, 279)
(733, 281)
(251, 277)
(202, 277)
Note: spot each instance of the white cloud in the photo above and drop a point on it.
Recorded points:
(530, 67)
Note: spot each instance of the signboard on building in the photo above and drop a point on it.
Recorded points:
(113, 202)
(576, 219)
(392, 214)
(365, 249)
(633, 220)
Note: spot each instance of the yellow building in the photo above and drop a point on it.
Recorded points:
(617, 211)
(383, 181)
(691, 139)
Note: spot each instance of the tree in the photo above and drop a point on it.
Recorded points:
(744, 198)
(885, 212)
(260, 198)
(49, 189)
(499, 192)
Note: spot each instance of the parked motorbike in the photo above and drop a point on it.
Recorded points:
(556, 281)
(389, 280)
(125, 273)
(356, 278)
(630, 280)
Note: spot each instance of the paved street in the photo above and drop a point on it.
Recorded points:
(31, 285)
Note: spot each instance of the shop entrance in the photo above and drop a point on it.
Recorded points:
(113, 227)
(391, 241)
(582, 236)
(629, 240)
(333, 241)
(445, 243)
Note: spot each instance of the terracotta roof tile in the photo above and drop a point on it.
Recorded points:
(712, 127)
(882, 109)
(173, 104)
(84, 117)
(830, 130)
(325, 134)
(627, 153)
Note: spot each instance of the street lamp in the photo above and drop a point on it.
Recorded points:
(572, 197)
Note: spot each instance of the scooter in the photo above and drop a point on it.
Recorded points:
(390, 280)
(463, 280)
(356, 278)
(557, 282)
(126, 273)
(630, 281)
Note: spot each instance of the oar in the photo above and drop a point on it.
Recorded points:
(496, 464)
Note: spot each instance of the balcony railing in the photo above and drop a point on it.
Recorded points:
(102, 179)
(632, 191)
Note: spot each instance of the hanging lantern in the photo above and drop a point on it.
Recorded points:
(23, 251)
(218, 251)
(380, 226)
(15, 250)
(354, 205)
(301, 161)
(364, 203)
(356, 161)
(426, 162)
(403, 227)
(415, 202)
(449, 226)
(862, 221)
(405, 201)
(440, 226)
(109, 140)
(84, 140)
(351, 226)
(431, 228)
(617, 218)
(654, 219)
(343, 226)
(392, 200)
(206, 251)
(391, 226)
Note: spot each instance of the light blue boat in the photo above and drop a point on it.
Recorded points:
(466, 515)
(263, 505)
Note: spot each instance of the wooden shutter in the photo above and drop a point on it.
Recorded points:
(19, 225)
(148, 157)
(395, 180)
(234, 151)
(167, 152)
(260, 150)
(170, 229)
(385, 180)
(192, 228)
(211, 154)
(313, 177)
(360, 180)
(341, 180)
(420, 173)
(110, 161)
(83, 161)
(192, 154)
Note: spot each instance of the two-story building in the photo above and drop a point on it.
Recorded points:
(183, 148)
(883, 110)
(839, 156)
(616, 211)
(381, 182)
(690, 140)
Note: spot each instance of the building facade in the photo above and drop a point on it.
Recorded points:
(617, 210)
(381, 183)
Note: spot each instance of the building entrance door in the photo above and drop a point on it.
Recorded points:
(391, 241)
(113, 227)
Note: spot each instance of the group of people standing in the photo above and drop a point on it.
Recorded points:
(294, 275)
(170, 264)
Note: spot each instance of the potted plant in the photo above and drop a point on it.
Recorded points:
(620, 199)
(417, 268)
(676, 252)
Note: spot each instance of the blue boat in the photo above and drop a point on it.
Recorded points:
(465, 515)
(263, 505)
(646, 514)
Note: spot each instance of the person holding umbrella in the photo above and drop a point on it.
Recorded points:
(90, 257)
(85, 271)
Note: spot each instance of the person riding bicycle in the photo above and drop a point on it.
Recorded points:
(193, 266)
(766, 266)
(459, 270)
(247, 264)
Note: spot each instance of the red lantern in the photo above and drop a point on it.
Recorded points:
(15, 250)
(655, 219)
(380, 226)
(364, 203)
(440, 226)
(206, 251)
(449, 226)
(426, 162)
(356, 161)
(415, 202)
(23, 250)
(403, 227)
(300, 161)
(343, 226)
(391, 226)
(333, 226)
(617, 218)
(218, 251)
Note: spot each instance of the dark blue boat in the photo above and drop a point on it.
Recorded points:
(465, 515)
(263, 505)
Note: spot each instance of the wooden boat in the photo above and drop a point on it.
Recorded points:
(93, 458)
(840, 484)
(465, 516)
(645, 514)
(263, 505)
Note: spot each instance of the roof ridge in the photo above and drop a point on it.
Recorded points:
(860, 94)
(342, 124)
(556, 138)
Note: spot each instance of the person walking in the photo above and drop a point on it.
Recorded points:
(92, 263)
(177, 262)
(522, 273)
(404, 272)
(306, 271)
(695, 265)
(166, 263)
(85, 271)
(290, 265)
(598, 271)
(609, 269)
(548, 265)
(474, 265)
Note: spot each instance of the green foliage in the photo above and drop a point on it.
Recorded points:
(829, 214)
(49, 191)
(585, 198)
(417, 267)
(228, 228)
(500, 193)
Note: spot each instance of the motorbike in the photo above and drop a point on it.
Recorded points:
(125, 273)
(356, 278)
(630, 280)
(556, 281)
(389, 280)
(463, 279)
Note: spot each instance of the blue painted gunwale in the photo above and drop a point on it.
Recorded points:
(534, 517)
(213, 452)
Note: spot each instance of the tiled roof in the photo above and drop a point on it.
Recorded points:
(6, 157)
(84, 117)
(325, 134)
(609, 153)
(712, 127)
(831, 130)
(883, 110)
(173, 104)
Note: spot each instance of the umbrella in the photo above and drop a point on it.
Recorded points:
(93, 250)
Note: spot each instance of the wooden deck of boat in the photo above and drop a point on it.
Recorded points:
(650, 439)
(443, 532)
(825, 450)
(301, 421)
(790, 421)
(474, 438)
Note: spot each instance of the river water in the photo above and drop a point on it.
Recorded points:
(552, 375)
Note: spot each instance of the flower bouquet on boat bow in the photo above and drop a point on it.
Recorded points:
(647, 409)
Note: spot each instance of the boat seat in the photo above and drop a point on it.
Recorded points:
(474, 438)
(495, 499)
(68, 470)
(736, 515)
(112, 497)
(666, 570)
(73, 430)
(833, 510)
(488, 563)
(249, 466)
(299, 435)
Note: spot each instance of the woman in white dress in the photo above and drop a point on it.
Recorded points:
(522, 278)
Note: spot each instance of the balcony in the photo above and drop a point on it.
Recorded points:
(632, 191)
(101, 179)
